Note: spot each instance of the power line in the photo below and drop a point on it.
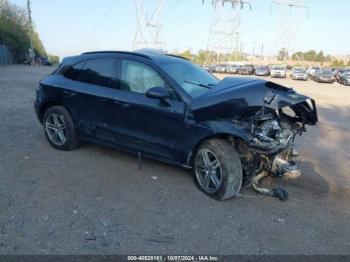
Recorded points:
(289, 22)
(149, 33)
(224, 34)
(105, 15)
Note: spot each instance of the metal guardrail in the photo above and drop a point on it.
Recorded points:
(5, 55)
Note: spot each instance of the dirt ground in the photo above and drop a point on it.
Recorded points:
(94, 200)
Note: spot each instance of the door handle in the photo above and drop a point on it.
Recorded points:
(69, 93)
(121, 104)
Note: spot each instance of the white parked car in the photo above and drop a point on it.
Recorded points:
(299, 73)
(313, 70)
(278, 71)
(220, 69)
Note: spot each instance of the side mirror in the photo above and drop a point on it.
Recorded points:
(158, 92)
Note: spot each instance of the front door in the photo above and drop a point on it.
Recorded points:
(146, 125)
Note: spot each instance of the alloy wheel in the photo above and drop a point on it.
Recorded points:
(208, 171)
(56, 129)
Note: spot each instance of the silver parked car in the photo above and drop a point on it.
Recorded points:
(278, 71)
(299, 73)
(312, 71)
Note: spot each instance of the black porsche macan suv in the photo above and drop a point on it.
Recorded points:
(167, 108)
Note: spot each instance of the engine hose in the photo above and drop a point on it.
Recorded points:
(280, 193)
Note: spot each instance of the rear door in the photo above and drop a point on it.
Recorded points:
(143, 124)
(89, 95)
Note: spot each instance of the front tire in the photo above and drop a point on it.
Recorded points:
(217, 169)
(59, 128)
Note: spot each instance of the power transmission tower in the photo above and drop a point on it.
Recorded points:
(224, 35)
(149, 32)
(291, 13)
(31, 51)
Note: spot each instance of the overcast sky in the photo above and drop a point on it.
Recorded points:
(69, 27)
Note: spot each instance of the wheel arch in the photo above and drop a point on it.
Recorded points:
(45, 107)
(229, 137)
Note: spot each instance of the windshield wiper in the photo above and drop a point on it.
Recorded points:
(199, 84)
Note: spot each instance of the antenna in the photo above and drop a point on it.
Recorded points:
(224, 34)
(149, 33)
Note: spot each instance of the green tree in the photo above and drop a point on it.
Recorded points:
(320, 57)
(338, 63)
(328, 58)
(15, 31)
(283, 54)
(55, 60)
(298, 56)
(187, 54)
(310, 55)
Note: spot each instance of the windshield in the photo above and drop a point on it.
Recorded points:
(278, 68)
(326, 72)
(299, 70)
(195, 80)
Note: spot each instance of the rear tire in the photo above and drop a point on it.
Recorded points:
(223, 179)
(59, 128)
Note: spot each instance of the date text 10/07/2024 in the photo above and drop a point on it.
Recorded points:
(173, 258)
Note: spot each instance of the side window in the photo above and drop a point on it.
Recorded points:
(138, 77)
(74, 71)
(100, 71)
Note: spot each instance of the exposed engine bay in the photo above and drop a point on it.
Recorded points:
(266, 118)
(270, 151)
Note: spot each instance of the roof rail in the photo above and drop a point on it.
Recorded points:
(181, 57)
(116, 52)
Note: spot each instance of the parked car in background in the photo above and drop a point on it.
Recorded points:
(209, 68)
(262, 70)
(206, 67)
(232, 69)
(335, 71)
(299, 73)
(220, 69)
(324, 76)
(46, 62)
(340, 72)
(246, 70)
(312, 71)
(344, 78)
(278, 71)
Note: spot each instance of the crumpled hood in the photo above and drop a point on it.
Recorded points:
(235, 96)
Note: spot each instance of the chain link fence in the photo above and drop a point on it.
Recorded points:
(5, 55)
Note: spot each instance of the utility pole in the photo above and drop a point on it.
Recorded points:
(31, 51)
(254, 48)
(224, 34)
(149, 33)
(288, 28)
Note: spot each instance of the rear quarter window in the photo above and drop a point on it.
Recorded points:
(74, 72)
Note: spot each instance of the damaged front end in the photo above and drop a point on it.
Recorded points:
(270, 149)
(270, 116)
